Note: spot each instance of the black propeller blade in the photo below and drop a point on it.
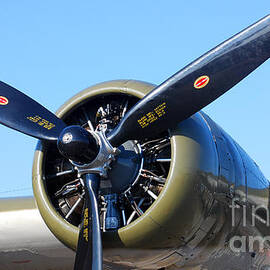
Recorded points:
(197, 85)
(89, 256)
(22, 113)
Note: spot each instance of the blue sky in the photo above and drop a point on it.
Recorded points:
(52, 49)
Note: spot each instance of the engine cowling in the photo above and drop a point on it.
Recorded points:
(164, 207)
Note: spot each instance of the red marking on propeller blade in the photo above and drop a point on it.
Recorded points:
(201, 82)
(3, 100)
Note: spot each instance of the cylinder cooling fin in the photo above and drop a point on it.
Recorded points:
(146, 200)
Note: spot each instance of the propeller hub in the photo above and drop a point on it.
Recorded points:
(78, 145)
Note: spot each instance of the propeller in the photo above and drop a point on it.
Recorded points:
(90, 229)
(176, 99)
(24, 114)
(196, 85)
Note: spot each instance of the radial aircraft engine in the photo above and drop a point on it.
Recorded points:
(134, 175)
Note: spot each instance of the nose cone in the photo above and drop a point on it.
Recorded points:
(78, 145)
